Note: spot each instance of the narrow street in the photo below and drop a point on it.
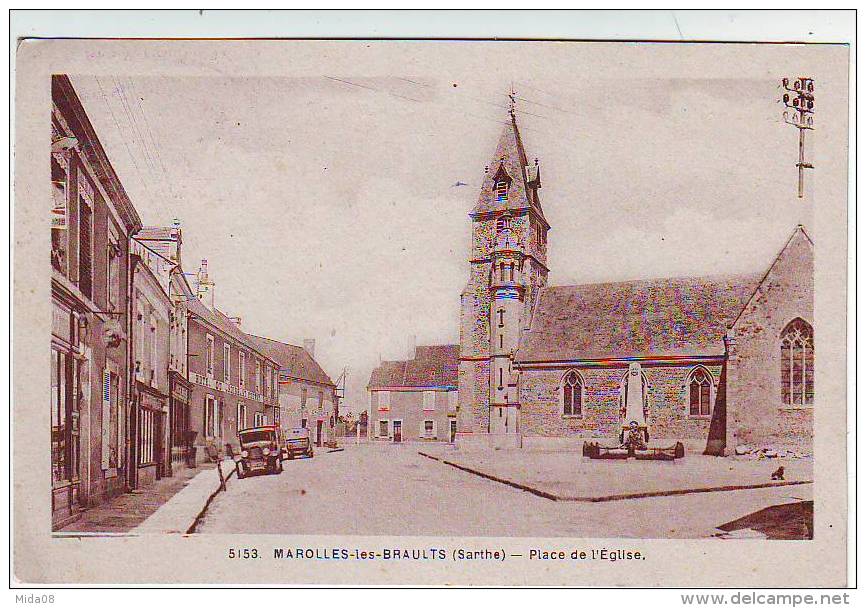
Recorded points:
(387, 489)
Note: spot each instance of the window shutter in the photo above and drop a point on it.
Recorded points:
(421, 430)
(106, 418)
(206, 415)
(220, 418)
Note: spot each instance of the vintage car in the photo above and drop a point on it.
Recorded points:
(298, 443)
(260, 451)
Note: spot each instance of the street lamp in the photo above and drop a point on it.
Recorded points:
(799, 101)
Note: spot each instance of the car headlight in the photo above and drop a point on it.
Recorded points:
(244, 453)
(266, 451)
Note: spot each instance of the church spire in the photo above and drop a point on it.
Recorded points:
(510, 182)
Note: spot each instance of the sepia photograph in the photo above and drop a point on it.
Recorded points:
(440, 300)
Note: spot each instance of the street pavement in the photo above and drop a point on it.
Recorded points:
(387, 489)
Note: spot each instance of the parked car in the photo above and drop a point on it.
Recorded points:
(260, 451)
(298, 443)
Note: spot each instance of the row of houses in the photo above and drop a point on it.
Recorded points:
(147, 374)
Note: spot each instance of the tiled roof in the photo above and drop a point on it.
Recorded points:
(221, 322)
(510, 157)
(659, 317)
(293, 360)
(433, 366)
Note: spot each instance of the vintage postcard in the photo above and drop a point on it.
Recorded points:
(430, 312)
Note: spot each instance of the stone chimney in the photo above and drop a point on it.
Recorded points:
(410, 347)
(310, 346)
(205, 287)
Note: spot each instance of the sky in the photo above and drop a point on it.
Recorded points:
(327, 208)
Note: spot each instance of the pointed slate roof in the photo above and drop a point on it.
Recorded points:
(678, 317)
(510, 158)
(648, 318)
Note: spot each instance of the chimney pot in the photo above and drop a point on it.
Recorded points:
(410, 347)
(310, 346)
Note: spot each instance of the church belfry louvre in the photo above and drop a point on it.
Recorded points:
(724, 360)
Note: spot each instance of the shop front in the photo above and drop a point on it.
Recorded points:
(67, 354)
(180, 439)
(151, 445)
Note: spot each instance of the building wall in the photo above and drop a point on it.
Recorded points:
(408, 407)
(151, 328)
(476, 384)
(177, 337)
(755, 411)
(228, 394)
(473, 380)
(300, 406)
(102, 462)
(541, 411)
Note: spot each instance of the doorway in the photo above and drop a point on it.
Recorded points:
(319, 424)
(397, 430)
(452, 431)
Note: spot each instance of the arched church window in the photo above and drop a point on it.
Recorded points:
(798, 364)
(700, 388)
(501, 190)
(503, 223)
(572, 394)
(501, 272)
(511, 272)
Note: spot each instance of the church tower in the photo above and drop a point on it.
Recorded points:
(508, 265)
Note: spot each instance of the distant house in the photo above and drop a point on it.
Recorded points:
(415, 399)
(307, 395)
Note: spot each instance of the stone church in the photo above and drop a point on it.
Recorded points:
(725, 360)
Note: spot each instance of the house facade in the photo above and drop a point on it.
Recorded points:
(92, 220)
(166, 241)
(151, 327)
(307, 395)
(234, 384)
(724, 360)
(415, 399)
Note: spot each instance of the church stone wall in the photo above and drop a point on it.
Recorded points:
(669, 419)
(473, 396)
(475, 313)
(755, 413)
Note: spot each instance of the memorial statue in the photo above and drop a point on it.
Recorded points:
(634, 434)
(634, 426)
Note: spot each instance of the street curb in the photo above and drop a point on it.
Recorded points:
(507, 482)
(729, 488)
(612, 497)
(195, 523)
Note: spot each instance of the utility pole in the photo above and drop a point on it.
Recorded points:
(799, 101)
